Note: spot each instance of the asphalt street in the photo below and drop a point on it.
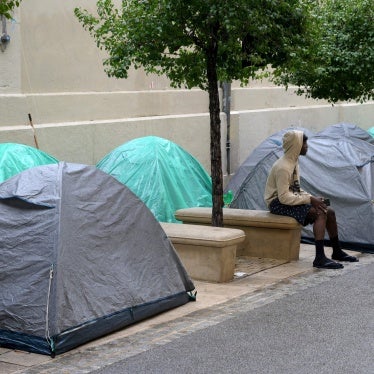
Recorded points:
(324, 327)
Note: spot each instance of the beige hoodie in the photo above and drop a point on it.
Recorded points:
(285, 172)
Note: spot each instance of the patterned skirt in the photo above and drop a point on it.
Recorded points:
(299, 212)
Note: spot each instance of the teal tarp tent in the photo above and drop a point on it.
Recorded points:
(371, 131)
(15, 158)
(161, 173)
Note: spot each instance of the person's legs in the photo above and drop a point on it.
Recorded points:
(305, 215)
(332, 230)
(319, 225)
(331, 225)
(319, 228)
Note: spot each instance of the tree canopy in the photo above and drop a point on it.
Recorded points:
(174, 37)
(7, 6)
(337, 62)
(197, 44)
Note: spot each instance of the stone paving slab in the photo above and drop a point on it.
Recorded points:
(6, 368)
(215, 303)
(23, 358)
(246, 266)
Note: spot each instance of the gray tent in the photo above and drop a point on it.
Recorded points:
(339, 165)
(81, 256)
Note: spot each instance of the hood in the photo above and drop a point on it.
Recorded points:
(292, 143)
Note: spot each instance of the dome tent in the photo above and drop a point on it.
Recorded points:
(15, 158)
(81, 256)
(161, 173)
(339, 165)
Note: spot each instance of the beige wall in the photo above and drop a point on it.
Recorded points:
(53, 70)
(60, 56)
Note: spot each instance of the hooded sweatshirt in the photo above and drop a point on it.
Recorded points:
(284, 181)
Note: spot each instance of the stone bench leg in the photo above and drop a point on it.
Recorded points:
(281, 244)
(212, 264)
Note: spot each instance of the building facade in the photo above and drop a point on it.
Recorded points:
(52, 70)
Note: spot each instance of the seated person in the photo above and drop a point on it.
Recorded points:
(284, 196)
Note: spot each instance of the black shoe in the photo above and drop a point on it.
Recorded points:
(342, 256)
(327, 264)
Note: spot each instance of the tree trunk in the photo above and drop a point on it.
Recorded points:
(215, 140)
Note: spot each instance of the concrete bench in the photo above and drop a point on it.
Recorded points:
(267, 235)
(208, 253)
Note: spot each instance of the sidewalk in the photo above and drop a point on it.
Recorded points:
(252, 276)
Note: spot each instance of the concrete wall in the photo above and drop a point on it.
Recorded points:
(53, 70)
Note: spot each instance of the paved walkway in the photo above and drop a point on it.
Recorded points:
(258, 282)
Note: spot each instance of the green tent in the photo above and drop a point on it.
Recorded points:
(371, 131)
(15, 158)
(162, 174)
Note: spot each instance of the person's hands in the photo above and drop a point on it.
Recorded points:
(318, 204)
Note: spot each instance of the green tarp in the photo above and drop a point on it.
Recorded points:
(161, 173)
(15, 158)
